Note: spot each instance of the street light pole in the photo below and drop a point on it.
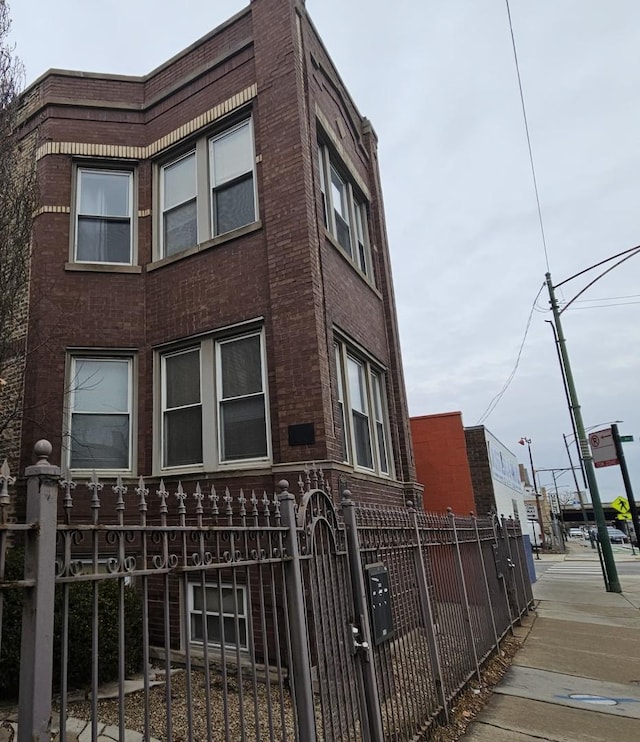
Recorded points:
(522, 441)
(612, 582)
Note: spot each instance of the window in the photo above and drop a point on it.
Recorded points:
(232, 188)
(103, 231)
(345, 213)
(364, 418)
(182, 408)
(99, 426)
(179, 216)
(208, 191)
(242, 414)
(224, 608)
(213, 403)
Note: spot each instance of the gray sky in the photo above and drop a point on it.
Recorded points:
(438, 81)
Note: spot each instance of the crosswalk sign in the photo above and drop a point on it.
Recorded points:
(621, 504)
(623, 516)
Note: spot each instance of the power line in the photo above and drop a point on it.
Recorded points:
(526, 128)
(496, 400)
(608, 298)
(604, 306)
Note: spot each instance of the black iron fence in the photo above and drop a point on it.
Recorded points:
(245, 616)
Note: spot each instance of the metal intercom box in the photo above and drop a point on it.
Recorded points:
(379, 595)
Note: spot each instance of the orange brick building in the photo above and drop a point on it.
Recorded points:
(442, 465)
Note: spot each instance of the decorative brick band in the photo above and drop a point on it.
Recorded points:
(52, 210)
(114, 151)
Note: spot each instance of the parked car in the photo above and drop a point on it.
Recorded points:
(616, 536)
(575, 533)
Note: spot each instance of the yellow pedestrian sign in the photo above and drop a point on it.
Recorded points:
(621, 504)
(623, 516)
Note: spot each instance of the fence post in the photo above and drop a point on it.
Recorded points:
(460, 569)
(425, 599)
(36, 652)
(486, 581)
(301, 666)
(372, 698)
(511, 564)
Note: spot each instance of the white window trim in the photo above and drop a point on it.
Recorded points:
(357, 211)
(74, 356)
(161, 208)
(204, 190)
(130, 172)
(163, 401)
(344, 351)
(241, 616)
(209, 370)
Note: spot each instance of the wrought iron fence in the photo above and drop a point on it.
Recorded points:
(245, 616)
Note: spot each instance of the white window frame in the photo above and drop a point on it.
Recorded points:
(243, 616)
(162, 210)
(205, 188)
(71, 391)
(165, 410)
(77, 214)
(375, 409)
(220, 400)
(358, 250)
(210, 368)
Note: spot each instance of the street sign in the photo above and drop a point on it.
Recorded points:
(603, 448)
(623, 516)
(626, 439)
(621, 504)
(532, 512)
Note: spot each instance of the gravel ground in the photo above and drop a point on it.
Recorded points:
(256, 708)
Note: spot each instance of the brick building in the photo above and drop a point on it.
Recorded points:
(211, 293)
(495, 475)
(466, 469)
(442, 465)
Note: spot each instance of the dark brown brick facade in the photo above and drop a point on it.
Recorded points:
(285, 270)
(480, 470)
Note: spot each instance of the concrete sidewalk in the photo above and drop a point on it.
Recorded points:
(577, 677)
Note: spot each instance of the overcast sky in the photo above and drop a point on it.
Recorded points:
(438, 81)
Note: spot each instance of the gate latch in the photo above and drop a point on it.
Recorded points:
(355, 638)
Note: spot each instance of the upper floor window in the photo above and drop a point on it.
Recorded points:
(104, 205)
(179, 214)
(214, 403)
(208, 191)
(345, 213)
(99, 424)
(363, 411)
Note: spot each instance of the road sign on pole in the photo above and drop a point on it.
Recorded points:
(621, 504)
(603, 448)
(626, 439)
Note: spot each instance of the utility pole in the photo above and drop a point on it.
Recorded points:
(627, 482)
(612, 582)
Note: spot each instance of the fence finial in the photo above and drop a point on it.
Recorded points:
(42, 450)
(5, 480)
